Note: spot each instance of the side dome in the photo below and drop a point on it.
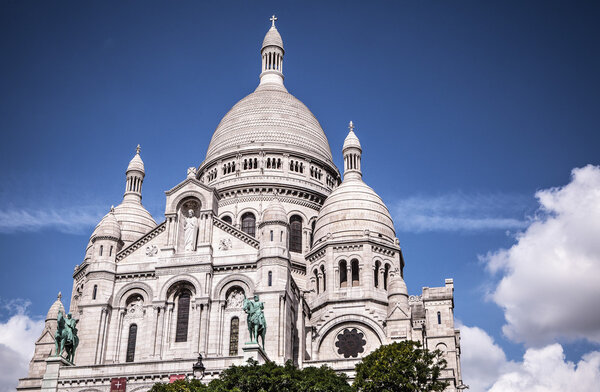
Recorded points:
(108, 227)
(275, 212)
(53, 311)
(273, 118)
(135, 221)
(350, 210)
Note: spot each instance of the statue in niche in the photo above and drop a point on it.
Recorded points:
(257, 325)
(189, 227)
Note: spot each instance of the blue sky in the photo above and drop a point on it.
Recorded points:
(464, 110)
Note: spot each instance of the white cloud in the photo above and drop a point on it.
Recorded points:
(482, 360)
(17, 341)
(68, 220)
(485, 367)
(545, 370)
(550, 279)
(460, 212)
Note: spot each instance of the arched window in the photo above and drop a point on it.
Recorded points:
(296, 234)
(270, 278)
(343, 274)
(439, 315)
(101, 249)
(110, 251)
(355, 275)
(227, 219)
(312, 232)
(234, 334)
(386, 273)
(324, 278)
(316, 274)
(183, 317)
(249, 224)
(376, 274)
(95, 292)
(131, 343)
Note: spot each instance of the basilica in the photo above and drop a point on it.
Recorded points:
(266, 215)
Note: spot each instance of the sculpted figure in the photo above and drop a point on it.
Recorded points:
(257, 325)
(66, 336)
(189, 227)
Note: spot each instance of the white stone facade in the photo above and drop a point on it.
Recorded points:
(266, 213)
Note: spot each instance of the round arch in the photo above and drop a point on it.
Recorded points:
(174, 207)
(350, 319)
(185, 278)
(232, 280)
(137, 287)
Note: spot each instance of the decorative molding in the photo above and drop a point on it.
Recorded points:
(135, 276)
(226, 227)
(347, 248)
(142, 241)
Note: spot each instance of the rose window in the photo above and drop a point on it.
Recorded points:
(350, 343)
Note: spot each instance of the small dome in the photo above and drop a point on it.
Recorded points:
(53, 311)
(275, 212)
(352, 211)
(108, 227)
(397, 286)
(351, 141)
(136, 162)
(272, 38)
(134, 219)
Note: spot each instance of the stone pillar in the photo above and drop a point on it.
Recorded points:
(254, 351)
(50, 380)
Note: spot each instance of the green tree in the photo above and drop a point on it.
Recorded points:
(265, 378)
(401, 367)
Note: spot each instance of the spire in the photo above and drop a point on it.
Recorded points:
(135, 177)
(272, 56)
(352, 152)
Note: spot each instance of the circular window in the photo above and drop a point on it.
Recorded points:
(350, 343)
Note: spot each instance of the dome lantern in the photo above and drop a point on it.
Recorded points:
(135, 177)
(272, 56)
(352, 155)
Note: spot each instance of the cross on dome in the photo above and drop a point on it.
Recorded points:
(138, 149)
(351, 126)
(273, 19)
(59, 296)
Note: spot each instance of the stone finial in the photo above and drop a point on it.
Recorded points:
(191, 172)
(273, 19)
(59, 296)
(351, 126)
(138, 149)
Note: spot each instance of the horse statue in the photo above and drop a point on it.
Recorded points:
(257, 325)
(66, 338)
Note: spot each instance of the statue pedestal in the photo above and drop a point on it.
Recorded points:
(50, 380)
(256, 352)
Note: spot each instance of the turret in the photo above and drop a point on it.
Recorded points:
(135, 177)
(274, 231)
(352, 153)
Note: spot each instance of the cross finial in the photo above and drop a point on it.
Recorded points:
(351, 126)
(59, 296)
(137, 149)
(273, 19)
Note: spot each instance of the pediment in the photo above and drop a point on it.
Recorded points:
(398, 313)
(147, 246)
(227, 240)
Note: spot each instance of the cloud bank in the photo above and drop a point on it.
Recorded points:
(485, 368)
(17, 341)
(460, 212)
(550, 279)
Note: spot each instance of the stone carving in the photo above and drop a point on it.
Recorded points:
(257, 325)
(191, 172)
(135, 308)
(151, 251)
(66, 336)
(415, 298)
(225, 244)
(350, 343)
(235, 299)
(189, 227)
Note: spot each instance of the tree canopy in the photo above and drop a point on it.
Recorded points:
(401, 367)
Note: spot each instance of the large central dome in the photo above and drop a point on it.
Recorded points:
(270, 117)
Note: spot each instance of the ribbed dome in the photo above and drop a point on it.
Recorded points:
(270, 117)
(272, 38)
(275, 212)
(134, 220)
(136, 162)
(351, 141)
(108, 227)
(351, 209)
(53, 311)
